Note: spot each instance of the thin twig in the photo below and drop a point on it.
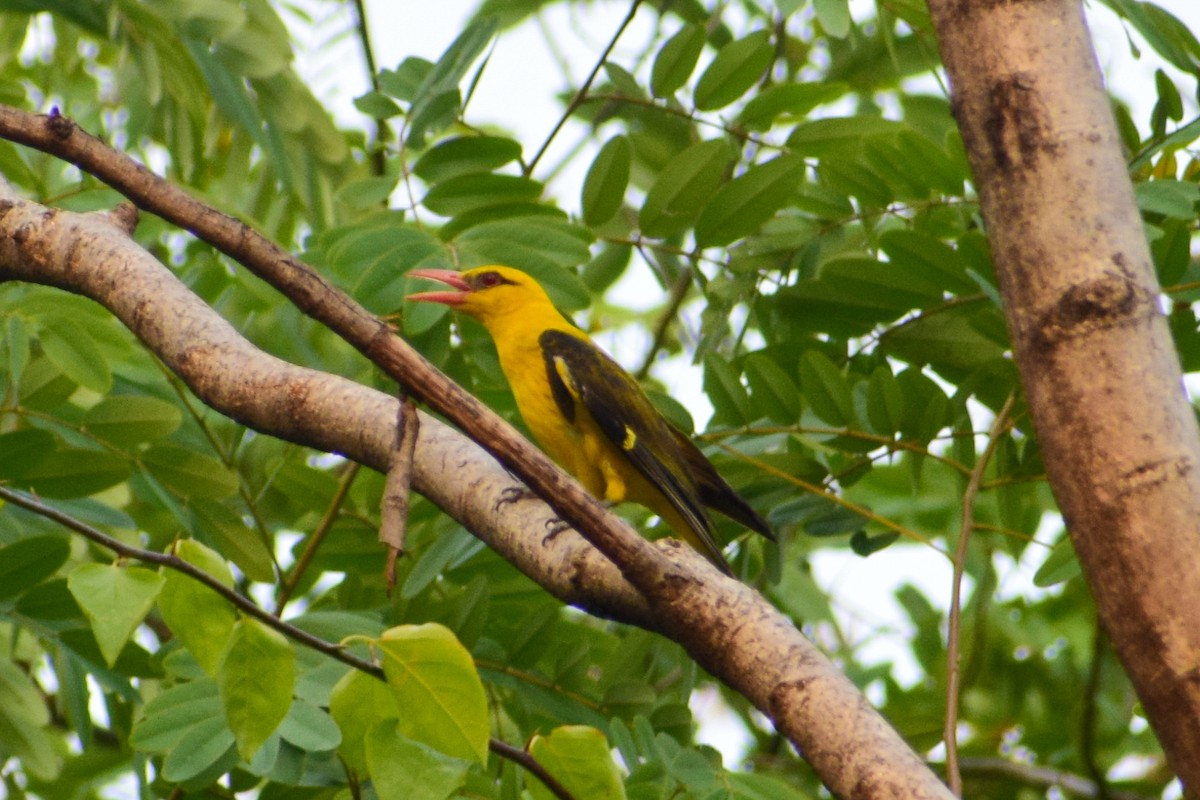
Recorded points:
(690, 116)
(179, 565)
(950, 733)
(289, 582)
(837, 500)
(382, 129)
(1087, 722)
(1041, 777)
(526, 760)
(500, 748)
(662, 325)
(583, 90)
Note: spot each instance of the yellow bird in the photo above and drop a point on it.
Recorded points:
(588, 413)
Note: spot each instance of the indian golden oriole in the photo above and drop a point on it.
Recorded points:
(588, 413)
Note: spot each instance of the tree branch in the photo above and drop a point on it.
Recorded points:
(953, 656)
(526, 760)
(729, 629)
(1042, 778)
(243, 604)
(299, 635)
(583, 90)
(1118, 435)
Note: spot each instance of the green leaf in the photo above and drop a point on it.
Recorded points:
(357, 703)
(865, 545)
(740, 207)
(188, 473)
(545, 247)
(23, 720)
(737, 66)
(405, 81)
(834, 16)
(16, 342)
(623, 80)
(436, 685)
(366, 193)
(826, 389)
(115, 600)
(773, 390)
(887, 285)
(885, 402)
(207, 745)
(70, 349)
(676, 60)
(168, 717)
(27, 562)
(465, 155)
(579, 758)
(838, 136)
(228, 530)
(87, 14)
(684, 186)
(787, 102)
(401, 768)
(377, 105)
(464, 193)
(730, 402)
(255, 681)
(604, 186)
(76, 473)
(310, 728)
(260, 48)
(132, 419)
(1060, 566)
(1170, 198)
(23, 449)
(949, 340)
(436, 101)
(201, 619)
(931, 258)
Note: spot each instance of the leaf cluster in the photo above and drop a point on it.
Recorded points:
(773, 171)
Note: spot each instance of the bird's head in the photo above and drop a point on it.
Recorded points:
(485, 293)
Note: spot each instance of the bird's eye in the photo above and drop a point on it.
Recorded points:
(489, 279)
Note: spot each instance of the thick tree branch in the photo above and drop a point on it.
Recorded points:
(320, 300)
(728, 628)
(1118, 435)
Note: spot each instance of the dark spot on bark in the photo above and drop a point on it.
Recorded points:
(1015, 123)
(1105, 302)
(1152, 474)
(59, 125)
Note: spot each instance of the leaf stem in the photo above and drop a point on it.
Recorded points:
(950, 732)
(583, 90)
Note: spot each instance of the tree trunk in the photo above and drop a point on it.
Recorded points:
(1096, 358)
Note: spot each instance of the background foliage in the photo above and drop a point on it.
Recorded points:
(789, 172)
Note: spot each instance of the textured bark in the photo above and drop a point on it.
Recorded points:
(1117, 433)
(727, 627)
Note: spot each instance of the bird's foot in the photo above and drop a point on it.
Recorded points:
(554, 526)
(513, 494)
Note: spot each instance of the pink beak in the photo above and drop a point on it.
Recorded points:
(446, 276)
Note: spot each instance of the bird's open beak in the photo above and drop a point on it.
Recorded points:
(446, 276)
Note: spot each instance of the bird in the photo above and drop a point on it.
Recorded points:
(589, 414)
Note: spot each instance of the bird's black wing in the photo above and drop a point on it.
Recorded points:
(578, 369)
